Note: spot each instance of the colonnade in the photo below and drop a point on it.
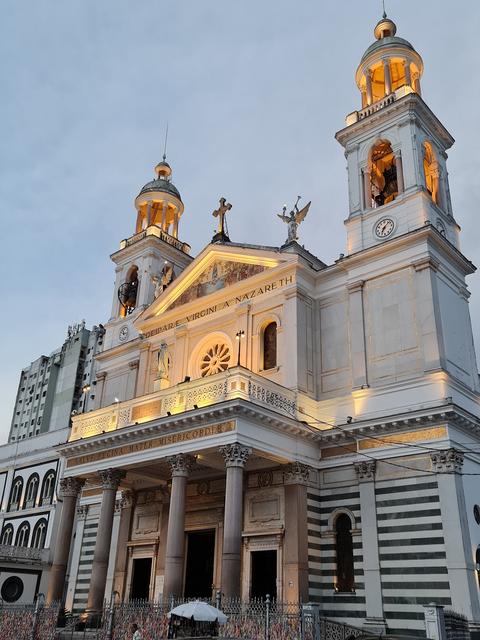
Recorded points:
(411, 80)
(235, 456)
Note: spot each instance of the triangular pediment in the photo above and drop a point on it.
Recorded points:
(214, 270)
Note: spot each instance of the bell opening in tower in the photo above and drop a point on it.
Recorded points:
(383, 174)
(200, 562)
(127, 293)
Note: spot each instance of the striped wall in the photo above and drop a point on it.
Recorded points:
(411, 552)
(82, 583)
(321, 554)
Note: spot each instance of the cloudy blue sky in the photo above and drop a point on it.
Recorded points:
(253, 91)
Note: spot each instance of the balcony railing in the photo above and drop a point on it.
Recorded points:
(232, 384)
(22, 554)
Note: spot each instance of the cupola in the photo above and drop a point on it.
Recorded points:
(159, 202)
(387, 65)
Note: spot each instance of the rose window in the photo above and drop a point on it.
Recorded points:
(215, 360)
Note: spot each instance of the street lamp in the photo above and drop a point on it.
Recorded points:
(239, 335)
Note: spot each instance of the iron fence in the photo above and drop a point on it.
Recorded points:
(33, 622)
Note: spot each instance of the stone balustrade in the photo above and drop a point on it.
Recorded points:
(22, 554)
(232, 384)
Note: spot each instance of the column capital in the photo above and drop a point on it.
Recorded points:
(181, 464)
(296, 473)
(111, 478)
(353, 287)
(365, 470)
(82, 511)
(128, 499)
(426, 263)
(101, 375)
(70, 487)
(133, 364)
(235, 455)
(447, 461)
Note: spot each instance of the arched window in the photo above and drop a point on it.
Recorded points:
(383, 174)
(16, 495)
(23, 535)
(39, 534)
(270, 346)
(344, 554)
(430, 169)
(127, 292)
(31, 491)
(48, 487)
(7, 535)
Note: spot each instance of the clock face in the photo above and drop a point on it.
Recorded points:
(123, 333)
(384, 227)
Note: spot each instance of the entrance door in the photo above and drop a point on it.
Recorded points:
(142, 571)
(200, 557)
(264, 574)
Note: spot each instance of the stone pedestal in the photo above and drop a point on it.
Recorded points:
(110, 480)
(235, 456)
(68, 494)
(175, 552)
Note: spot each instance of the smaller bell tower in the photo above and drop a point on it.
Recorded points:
(151, 258)
(395, 148)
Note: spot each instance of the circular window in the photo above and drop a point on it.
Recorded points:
(12, 589)
(476, 513)
(215, 360)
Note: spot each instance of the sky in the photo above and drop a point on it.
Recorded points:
(253, 92)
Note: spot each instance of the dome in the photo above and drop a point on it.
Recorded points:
(389, 41)
(162, 185)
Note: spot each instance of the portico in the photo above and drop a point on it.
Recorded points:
(222, 476)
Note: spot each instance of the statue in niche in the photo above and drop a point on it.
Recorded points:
(163, 363)
(162, 280)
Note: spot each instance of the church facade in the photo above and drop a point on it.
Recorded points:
(265, 423)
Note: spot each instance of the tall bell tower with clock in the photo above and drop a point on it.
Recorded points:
(149, 260)
(395, 149)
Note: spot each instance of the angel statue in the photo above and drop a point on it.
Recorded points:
(157, 283)
(294, 219)
(163, 363)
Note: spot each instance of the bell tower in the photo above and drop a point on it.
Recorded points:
(395, 148)
(149, 260)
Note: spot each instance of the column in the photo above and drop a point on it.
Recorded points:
(133, 367)
(387, 76)
(164, 216)
(82, 512)
(427, 310)
(149, 214)
(408, 74)
(416, 83)
(175, 224)
(235, 456)
(357, 334)
(138, 226)
(367, 188)
(447, 464)
(368, 79)
(142, 382)
(175, 552)
(399, 167)
(127, 505)
(295, 546)
(68, 494)
(99, 389)
(110, 480)
(371, 562)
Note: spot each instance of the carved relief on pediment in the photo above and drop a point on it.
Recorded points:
(217, 276)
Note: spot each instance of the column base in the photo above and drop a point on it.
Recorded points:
(377, 626)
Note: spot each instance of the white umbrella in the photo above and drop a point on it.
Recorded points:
(199, 611)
